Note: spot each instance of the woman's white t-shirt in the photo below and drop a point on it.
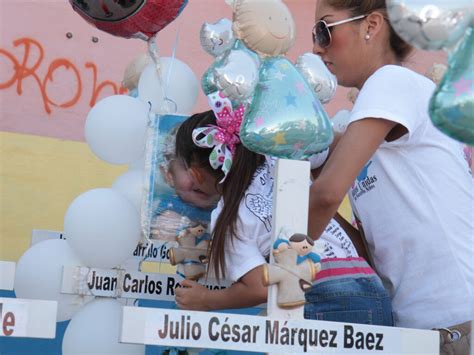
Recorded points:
(414, 199)
(254, 228)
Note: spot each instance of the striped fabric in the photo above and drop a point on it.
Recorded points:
(338, 268)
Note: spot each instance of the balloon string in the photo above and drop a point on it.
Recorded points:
(168, 76)
(155, 56)
(146, 211)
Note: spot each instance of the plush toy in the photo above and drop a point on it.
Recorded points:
(191, 253)
(294, 270)
(304, 246)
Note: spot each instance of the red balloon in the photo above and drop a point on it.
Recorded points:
(129, 18)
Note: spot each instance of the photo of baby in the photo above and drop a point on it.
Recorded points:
(175, 203)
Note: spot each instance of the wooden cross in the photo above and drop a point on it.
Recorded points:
(290, 215)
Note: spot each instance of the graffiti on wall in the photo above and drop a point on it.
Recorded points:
(31, 62)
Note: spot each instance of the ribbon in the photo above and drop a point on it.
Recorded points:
(224, 136)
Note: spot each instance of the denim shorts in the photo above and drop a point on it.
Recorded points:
(348, 290)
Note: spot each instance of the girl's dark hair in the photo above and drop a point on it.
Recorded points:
(244, 165)
(361, 7)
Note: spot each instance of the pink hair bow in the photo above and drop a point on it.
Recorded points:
(224, 136)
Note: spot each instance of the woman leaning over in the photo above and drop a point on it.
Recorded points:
(409, 185)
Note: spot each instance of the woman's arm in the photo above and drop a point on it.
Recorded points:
(247, 292)
(354, 149)
(315, 172)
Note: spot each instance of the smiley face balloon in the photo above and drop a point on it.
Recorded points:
(270, 34)
(285, 119)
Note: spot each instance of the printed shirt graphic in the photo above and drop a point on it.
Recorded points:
(335, 243)
(364, 182)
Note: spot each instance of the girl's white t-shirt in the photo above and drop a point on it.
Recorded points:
(254, 228)
(414, 198)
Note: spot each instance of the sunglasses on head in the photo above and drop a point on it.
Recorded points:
(322, 34)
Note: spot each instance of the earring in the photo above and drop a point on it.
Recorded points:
(367, 37)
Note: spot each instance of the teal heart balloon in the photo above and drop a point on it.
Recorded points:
(452, 104)
(208, 80)
(285, 118)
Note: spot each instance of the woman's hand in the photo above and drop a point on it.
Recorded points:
(192, 296)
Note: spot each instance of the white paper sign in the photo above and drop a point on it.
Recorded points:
(27, 318)
(124, 283)
(39, 235)
(251, 333)
(156, 251)
(7, 275)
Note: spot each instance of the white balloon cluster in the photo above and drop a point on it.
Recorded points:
(102, 226)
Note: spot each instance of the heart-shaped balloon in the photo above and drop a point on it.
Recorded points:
(217, 38)
(285, 118)
(208, 80)
(313, 69)
(129, 18)
(430, 24)
(452, 104)
(231, 73)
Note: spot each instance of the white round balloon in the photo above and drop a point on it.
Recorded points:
(175, 91)
(116, 129)
(131, 185)
(340, 121)
(138, 164)
(95, 329)
(102, 227)
(39, 273)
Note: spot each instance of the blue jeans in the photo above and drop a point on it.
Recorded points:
(360, 300)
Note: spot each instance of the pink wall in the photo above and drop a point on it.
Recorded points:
(34, 42)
